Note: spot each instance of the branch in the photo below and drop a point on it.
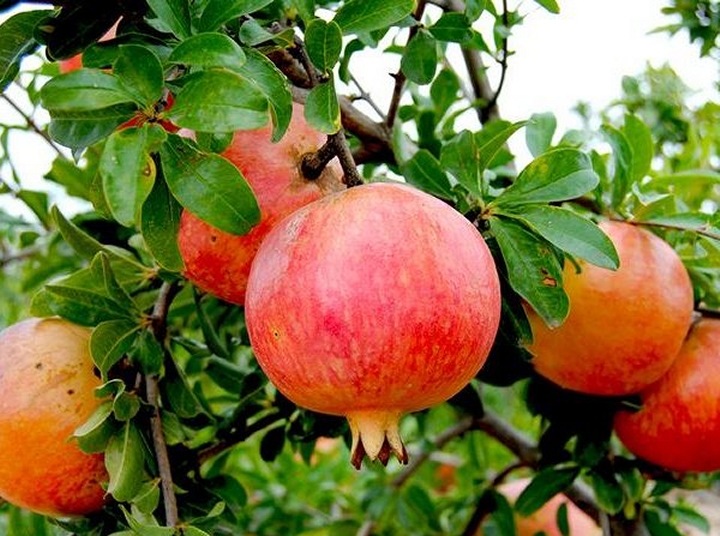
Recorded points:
(400, 76)
(158, 326)
(32, 125)
(661, 225)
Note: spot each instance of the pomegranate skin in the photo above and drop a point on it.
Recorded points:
(625, 327)
(371, 303)
(678, 426)
(47, 384)
(219, 262)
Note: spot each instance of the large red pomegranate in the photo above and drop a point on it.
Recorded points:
(625, 327)
(47, 385)
(678, 426)
(219, 262)
(371, 303)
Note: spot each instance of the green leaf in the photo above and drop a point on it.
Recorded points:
(209, 186)
(178, 394)
(272, 443)
(640, 139)
(419, 60)
(219, 100)
(17, 41)
(444, 91)
(79, 305)
(539, 133)
(274, 85)
(558, 175)
(569, 232)
(159, 225)
(658, 525)
(533, 269)
(140, 70)
(551, 5)
(468, 155)
(209, 50)
(322, 110)
(128, 170)
(94, 434)
(148, 353)
(474, 8)
(80, 129)
(323, 41)
(125, 460)
(608, 491)
(110, 341)
(173, 16)
(543, 487)
(452, 27)
(623, 159)
(218, 12)
(85, 90)
(424, 171)
(367, 15)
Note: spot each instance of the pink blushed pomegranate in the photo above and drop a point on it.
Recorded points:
(219, 262)
(372, 303)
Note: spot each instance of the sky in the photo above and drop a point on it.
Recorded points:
(558, 60)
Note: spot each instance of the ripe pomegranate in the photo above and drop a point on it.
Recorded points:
(544, 521)
(219, 262)
(371, 303)
(47, 383)
(678, 426)
(625, 327)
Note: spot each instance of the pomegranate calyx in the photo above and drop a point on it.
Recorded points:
(375, 433)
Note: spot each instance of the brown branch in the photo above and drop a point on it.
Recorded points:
(672, 227)
(242, 433)
(158, 327)
(400, 77)
(32, 125)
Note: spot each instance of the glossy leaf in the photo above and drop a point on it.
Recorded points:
(93, 435)
(274, 85)
(557, 175)
(159, 224)
(551, 5)
(16, 42)
(218, 12)
(209, 186)
(424, 171)
(140, 70)
(533, 269)
(219, 100)
(85, 90)
(128, 170)
(571, 233)
(80, 129)
(209, 50)
(543, 487)
(323, 41)
(539, 133)
(419, 60)
(474, 8)
(124, 459)
(110, 341)
(608, 491)
(322, 110)
(173, 16)
(356, 16)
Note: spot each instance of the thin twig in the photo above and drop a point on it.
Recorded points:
(32, 125)
(503, 60)
(663, 225)
(364, 95)
(400, 77)
(152, 393)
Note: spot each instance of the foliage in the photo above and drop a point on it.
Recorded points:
(243, 458)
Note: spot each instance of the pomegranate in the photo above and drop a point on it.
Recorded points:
(678, 426)
(47, 384)
(625, 327)
(219, 262)
(371, 303)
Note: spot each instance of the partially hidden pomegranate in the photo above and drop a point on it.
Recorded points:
(372, 303)
(47, 385)
(625, 327)
(678, 425)
(219, 262)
